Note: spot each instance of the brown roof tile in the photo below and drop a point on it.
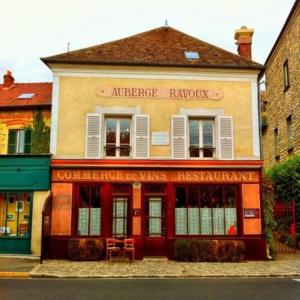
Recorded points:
(163, 46)
(42, 94)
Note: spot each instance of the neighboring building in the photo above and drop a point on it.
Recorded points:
(24, 176)
(156, 136)
(281, 136)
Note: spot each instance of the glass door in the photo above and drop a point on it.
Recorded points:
(119, 218)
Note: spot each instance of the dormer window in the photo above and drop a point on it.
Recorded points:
(191, 54)
(26, 96)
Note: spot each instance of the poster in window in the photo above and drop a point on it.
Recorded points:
(180, 221)
(206, 221)
(193, 221)
(218, 220)
(83, 221)
(95, 223)
(230, 217)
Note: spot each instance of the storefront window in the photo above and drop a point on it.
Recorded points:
(15, 214)
(89, 210)
(205, 210)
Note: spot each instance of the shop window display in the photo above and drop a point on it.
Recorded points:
(206, 210)
(15, 214)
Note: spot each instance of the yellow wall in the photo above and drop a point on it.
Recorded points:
(77, 97)
(39, 198)
(16, 119)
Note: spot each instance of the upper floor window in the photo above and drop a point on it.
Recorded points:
(201, 138)
(117, 137)
(289, 132)
(286, 75)
(19, 141)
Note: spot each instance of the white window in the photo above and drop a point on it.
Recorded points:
(202, 138)
(117, 137)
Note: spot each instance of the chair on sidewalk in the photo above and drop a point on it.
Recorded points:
(129, 248)
(111, 249)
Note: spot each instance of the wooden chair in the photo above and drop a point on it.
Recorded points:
(129, 248)
(111, 248)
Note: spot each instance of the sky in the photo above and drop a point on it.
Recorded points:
(31, 29)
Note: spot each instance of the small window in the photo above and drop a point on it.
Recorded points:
(276, 143)
(286, 75)
(19, 141)
(201, 138)
(289, 131)
(26, 96)
(117, 137)
(191, 54)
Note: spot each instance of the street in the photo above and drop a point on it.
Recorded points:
(204, 288)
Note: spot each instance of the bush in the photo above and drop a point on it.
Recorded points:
(197, 250)
(86, 249)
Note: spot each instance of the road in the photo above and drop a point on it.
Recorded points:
(144, 289)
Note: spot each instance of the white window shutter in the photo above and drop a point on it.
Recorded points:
(93, 135)
(226, 147)
(141, 138)
(178, 137)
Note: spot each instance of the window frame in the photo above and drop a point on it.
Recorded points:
(117, 145)
(286, 75)
(201, 146)
(239, 225)
(20, 141)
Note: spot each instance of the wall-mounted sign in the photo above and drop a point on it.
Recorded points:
(160, 138)
(160, 93)
(251, 213)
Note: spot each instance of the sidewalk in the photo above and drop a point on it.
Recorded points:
(284, 266)
(17, 266)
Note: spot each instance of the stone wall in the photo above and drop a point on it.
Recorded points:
(283, 103)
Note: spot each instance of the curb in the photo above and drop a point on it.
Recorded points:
(14, 275)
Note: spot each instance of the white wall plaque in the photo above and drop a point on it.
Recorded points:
(160, 138)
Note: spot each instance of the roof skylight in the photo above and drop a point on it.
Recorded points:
(26, 96)
(191, 54)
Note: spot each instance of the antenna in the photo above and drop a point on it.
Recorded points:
(166, 23)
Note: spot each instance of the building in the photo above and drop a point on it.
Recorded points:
(25, 110)
(156, 136)
(281, 135)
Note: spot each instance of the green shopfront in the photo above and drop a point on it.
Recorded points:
(24, 187)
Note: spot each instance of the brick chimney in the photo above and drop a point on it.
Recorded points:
(243, 37)
(8, 80)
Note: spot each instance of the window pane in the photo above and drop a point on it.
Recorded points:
(207, 127)
(120, 217)
(12, 142)
(181, 211)
(83, 211)
(194, 132)
(21, 141)
(194, 220)
(111, 127)
(180, 196)
(124, 132)
(230, 194)
(193, 200)
(4, 224)
(95, 211)
(205, 211)
(208, 152)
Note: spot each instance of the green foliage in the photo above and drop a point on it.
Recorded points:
(270, 223)
(197, 250)
(40, 135)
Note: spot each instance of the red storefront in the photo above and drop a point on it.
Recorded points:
(156, 202)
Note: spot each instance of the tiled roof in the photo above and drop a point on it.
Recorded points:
(42, 94)
(163, 46)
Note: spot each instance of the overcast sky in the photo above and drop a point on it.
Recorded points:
(31, 29)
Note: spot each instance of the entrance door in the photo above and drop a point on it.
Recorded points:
(155, 224)
(119, 217)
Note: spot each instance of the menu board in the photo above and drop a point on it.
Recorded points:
(180, 221)
(193, 220)
(83, 221)
(206, 221)
(95, 224)
(218, 217)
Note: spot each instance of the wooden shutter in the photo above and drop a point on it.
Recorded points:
(179, 137)
(226, 147)
(93, 135)
(141, 138)
(27, 143)
(12, 141)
